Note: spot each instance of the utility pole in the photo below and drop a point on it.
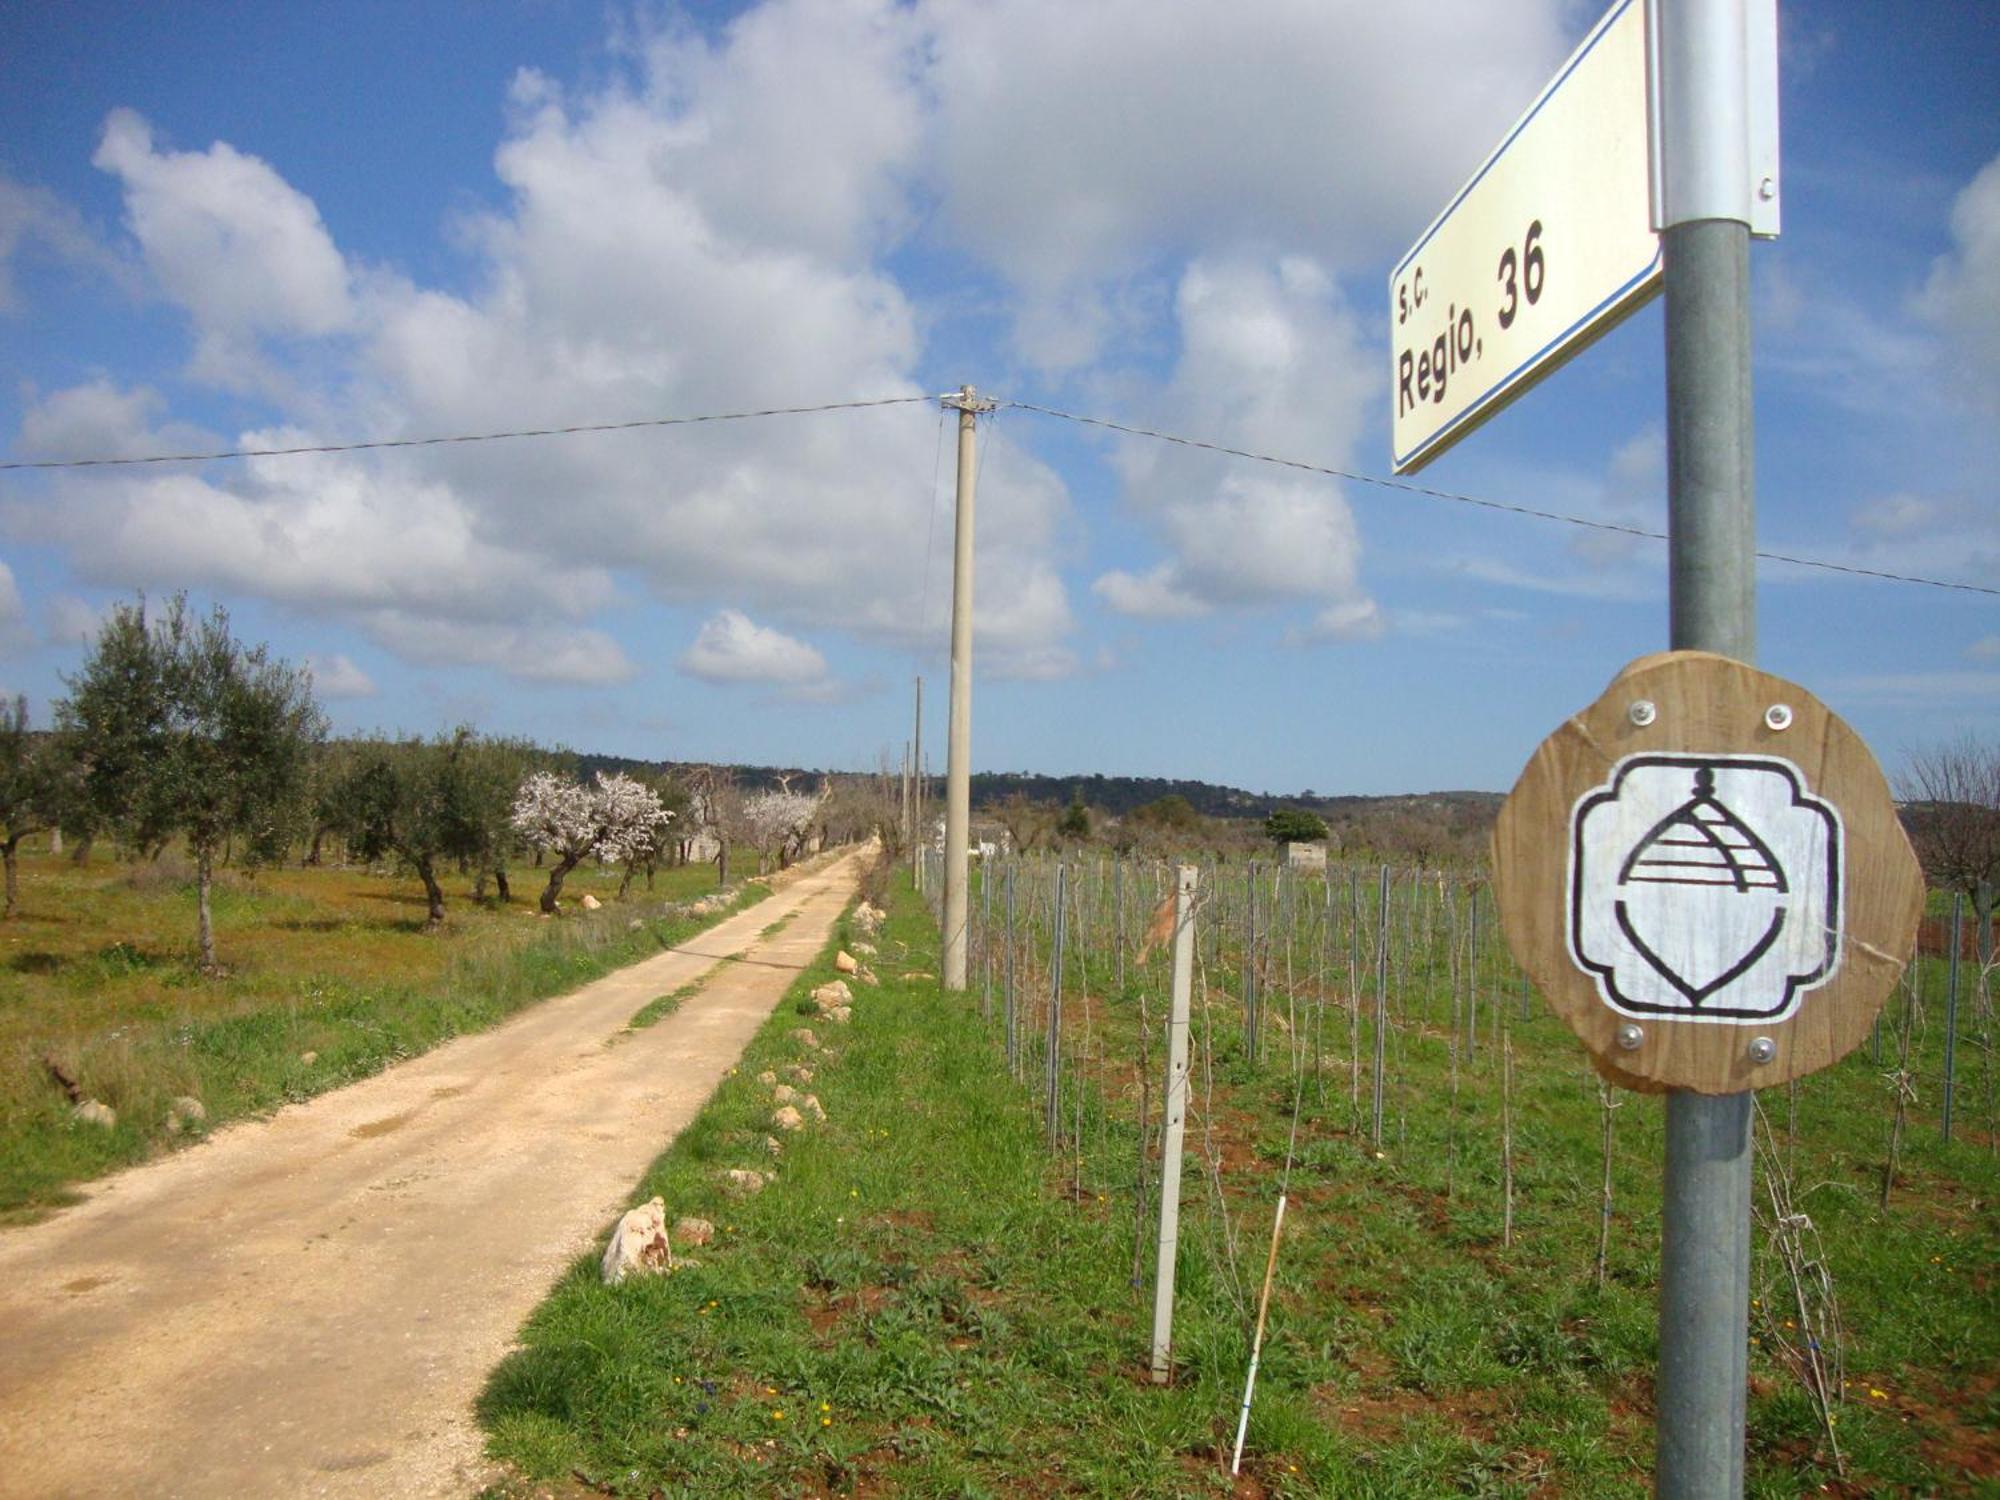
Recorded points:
(958, 753)
(1705, 102)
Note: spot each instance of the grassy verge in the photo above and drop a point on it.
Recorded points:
(330, 977)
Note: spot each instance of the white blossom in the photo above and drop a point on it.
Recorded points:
(616, 819)
(777, 819)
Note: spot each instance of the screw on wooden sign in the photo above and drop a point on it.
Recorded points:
(1704, 873)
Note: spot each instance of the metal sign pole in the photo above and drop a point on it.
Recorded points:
(1702, 204)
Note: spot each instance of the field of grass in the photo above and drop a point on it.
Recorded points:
(329, 976)
(935, 1299)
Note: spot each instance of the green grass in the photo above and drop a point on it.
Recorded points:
(329, 977)
(658, 1010)
(940, 1305)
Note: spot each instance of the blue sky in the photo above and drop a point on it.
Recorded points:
(229, 225)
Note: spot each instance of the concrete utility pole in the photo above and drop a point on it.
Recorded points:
(958, 754)
(1702, 204)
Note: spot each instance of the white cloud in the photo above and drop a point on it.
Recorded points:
(14, 632)
(1962, 297)
(70, 621)
(731, 647)
(229, 240)
(35, 218)
(337, 676)
(1270, 361)
(1079, 144)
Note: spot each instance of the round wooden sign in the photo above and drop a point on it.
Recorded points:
(1704, 873)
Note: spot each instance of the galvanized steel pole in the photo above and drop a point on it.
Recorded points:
(1702, 73)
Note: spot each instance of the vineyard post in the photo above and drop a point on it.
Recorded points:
(1007, 981)
(1381, 1005)
(1173, 1123)
(1951, 1009)
(918, 843)
(1250, 962)
(986, 940)
(1052, 1062)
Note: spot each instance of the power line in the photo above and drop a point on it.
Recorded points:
(467, 437)
(1461, 499)
(1301, 465)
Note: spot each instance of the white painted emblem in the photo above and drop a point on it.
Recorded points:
(1705, 888)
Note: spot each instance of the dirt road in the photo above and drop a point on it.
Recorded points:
(308, 1305)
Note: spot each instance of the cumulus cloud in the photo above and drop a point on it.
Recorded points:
(1270, 359)
(1962, 297)
(336, 676)
(731, 647)
(70, 621)
(230, 240)
(33, 218)
(1077, 144)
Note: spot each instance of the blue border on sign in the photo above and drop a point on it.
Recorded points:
(1505, 385)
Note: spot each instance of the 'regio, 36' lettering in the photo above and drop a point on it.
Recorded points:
(1424, 372)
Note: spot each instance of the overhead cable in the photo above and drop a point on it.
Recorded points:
(467, 437)
(1461, 499)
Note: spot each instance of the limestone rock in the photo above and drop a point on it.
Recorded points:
(767, 1078)
(787, 1118)
(841, 1014)
(867, 976)
(692, 1231)
(810, 1105)
(803, 1035)
(863, 950)
(869, 918)
(590, 902)
(308, 1058)
(639, 1245)
(798, 1074)
(846, 962)
(827, 996)
(95, 1112)
(184, 1111)
(783, 1093)
(635, 924)
(743, 1182)
(773, 1145)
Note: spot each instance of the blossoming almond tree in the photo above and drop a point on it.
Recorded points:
(779, 822)
(614, 820)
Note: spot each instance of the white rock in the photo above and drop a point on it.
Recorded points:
(811, 1105)
(863, 950)
(691, 1231)
(804, 1037)
(846, 962)
(183, 1112)
(590, 902)
(783, 1093)
(773, 1145)
(96, 1112)
(635, 924)
(841, 1014)
(867, 976)
(798, 1074)
(308, 1058)
(743, 1182)
(639, 1245)
(768, 1078)
(787, 1118)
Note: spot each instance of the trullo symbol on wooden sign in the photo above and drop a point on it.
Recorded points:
(1705, 888)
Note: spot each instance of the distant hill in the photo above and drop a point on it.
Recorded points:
(1119, 795)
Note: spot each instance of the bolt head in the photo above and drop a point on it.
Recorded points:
(1778, 716)
(1642, 713)
(1762, 1049)
(1629, 1036)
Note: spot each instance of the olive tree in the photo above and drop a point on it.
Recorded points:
(613, 819)
(428, 803)
(180, 729)
(31, 782)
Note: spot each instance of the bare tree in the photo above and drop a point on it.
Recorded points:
(1951, 797)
